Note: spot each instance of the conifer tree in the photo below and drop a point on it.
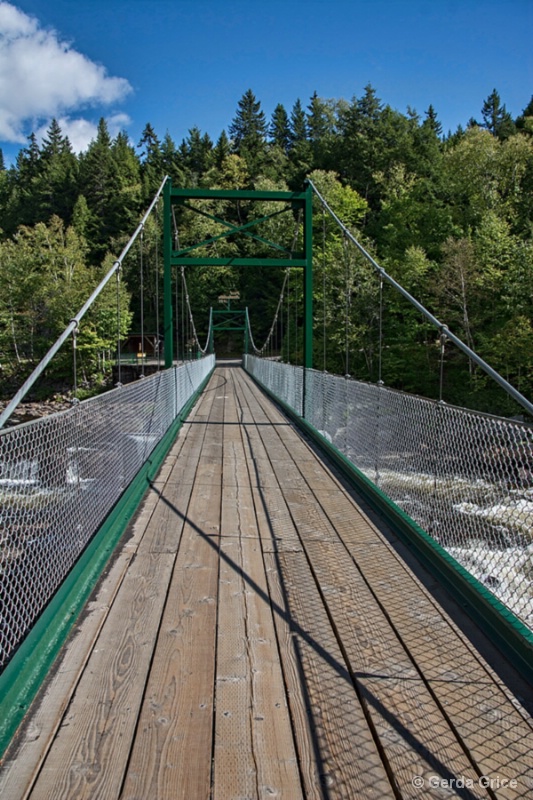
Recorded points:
(432, 122)
(496, 118)
(279, 131)
(99, 182)
(248, 131)
(56, 187)
(171, 161)
(22, 206)
(196, 152)
(221, 150)
(298, 125)
(151, 162)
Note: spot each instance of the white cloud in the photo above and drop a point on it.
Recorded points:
(43, 77)
(82, 131)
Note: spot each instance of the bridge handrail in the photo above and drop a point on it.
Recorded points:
(75, 321)
(455, 484)
(61, 475)
(443, 329)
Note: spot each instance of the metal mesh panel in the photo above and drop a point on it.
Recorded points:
(61, 475)
(466, 478)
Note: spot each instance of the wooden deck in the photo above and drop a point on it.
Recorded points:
(258, 636)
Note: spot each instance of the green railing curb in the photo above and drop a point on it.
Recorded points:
(504, 629)
(21, 679)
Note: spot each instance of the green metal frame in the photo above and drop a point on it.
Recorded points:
(291, 201)
(233, 320)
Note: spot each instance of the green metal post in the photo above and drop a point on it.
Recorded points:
(308, 291)
(167, 283)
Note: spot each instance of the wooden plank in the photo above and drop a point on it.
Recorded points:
(391, 687)
(373, 556)
(275, 524)
(23, 761)
(89, 753)
(414, 735)
(171, 755)
(494, 746)
(338, 756)
(494, 732)
(50, 708)
(324, 705)
(234, 763)
(254, 752)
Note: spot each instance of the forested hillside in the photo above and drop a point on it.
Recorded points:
(449, 216)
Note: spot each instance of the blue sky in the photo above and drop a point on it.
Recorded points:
(180, 63)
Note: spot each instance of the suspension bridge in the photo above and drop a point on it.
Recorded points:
(251, 578)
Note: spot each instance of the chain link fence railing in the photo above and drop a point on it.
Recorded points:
(61, 475)
(464, 477)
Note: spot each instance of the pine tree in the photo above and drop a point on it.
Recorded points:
(99, 183)
(496, 118)
(56, 184)
(126, 199)
(151, 162)
(432, 122)
(298, 125)
(170, 159)
(196, 152)
(279, 130)
(248, 132)
(300, 152)
(221, 150)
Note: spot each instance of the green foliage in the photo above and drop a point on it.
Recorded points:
(450, 218)
(46, 280)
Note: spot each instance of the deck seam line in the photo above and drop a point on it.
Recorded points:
(217, 622)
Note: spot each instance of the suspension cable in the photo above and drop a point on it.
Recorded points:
(141, 269)
(24, 389)
(324, 288)
(119, 353)
(380, 330)
(524, 402)
(203, 350)
(289, 316)
(260, 350)
(74, 360)
(157, 215)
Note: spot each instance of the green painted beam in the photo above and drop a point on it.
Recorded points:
(168, 331)
(238, 194)
(21, 679)
(234, 229)
(502, 627)
(237, 262)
